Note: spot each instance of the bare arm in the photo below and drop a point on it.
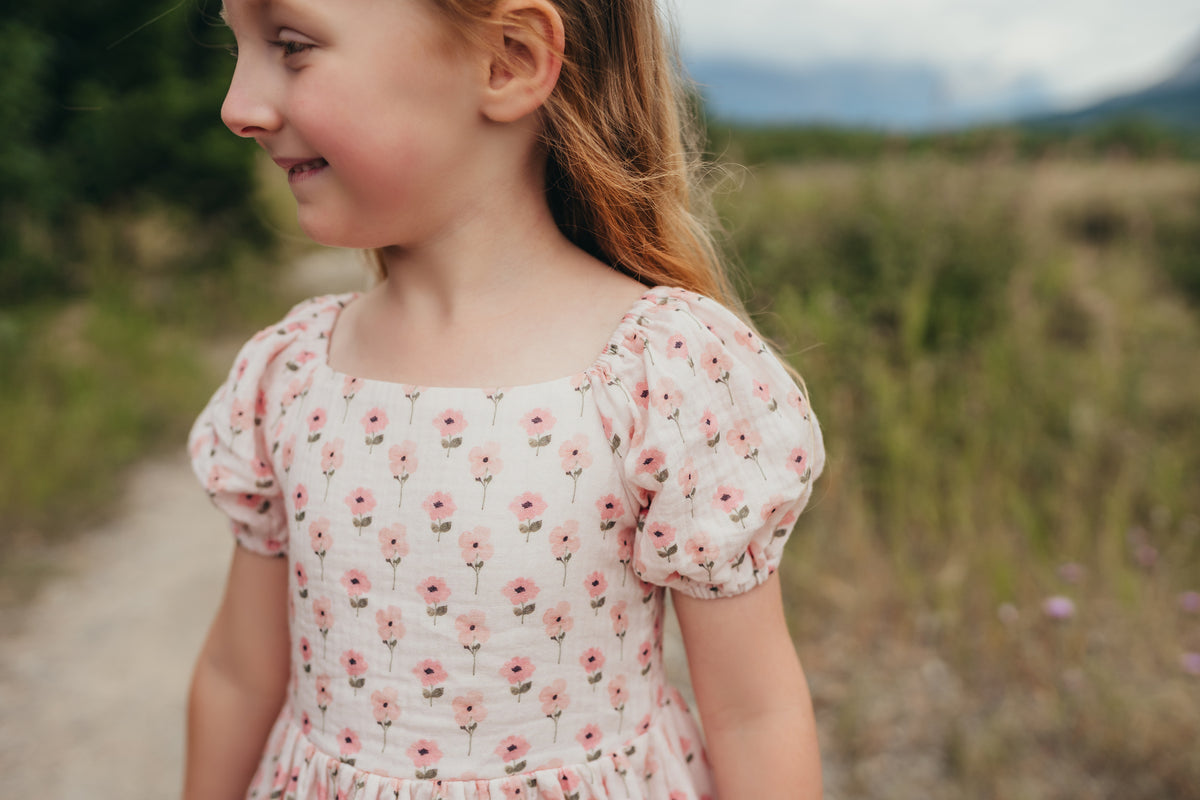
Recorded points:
(240, 680)
(752, 695)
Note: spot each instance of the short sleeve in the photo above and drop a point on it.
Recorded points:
(723, 449)
(230, 446)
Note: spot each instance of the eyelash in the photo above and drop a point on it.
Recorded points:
(291, 47)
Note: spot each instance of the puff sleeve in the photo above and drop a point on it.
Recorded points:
(723, 448)
(231, 446)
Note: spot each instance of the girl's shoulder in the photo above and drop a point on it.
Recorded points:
(687, 337)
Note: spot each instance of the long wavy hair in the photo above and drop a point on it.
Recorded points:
(625, 179)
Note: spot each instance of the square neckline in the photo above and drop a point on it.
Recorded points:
(601, 363)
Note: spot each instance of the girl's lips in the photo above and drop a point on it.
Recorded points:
(306, 169)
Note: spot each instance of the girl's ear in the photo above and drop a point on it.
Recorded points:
(526, 57)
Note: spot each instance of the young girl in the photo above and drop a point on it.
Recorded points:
(460, 496)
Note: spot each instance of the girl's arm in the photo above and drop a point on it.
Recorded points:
(240, 680)
(752, 695)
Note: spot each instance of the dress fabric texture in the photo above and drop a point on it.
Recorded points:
(477, 575)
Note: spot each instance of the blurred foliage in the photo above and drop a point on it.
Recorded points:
(1122, 137)
(110, 106)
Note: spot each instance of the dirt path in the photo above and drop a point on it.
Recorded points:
(93, 685)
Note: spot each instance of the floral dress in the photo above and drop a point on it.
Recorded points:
(477, 575)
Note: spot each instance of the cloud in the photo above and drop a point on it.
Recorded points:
(1079, 47)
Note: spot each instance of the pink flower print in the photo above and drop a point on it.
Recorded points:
(323, 615)
(564, 542)
(558, 622)
(667, 399)
(402, 460)
(324, 697)
(687, 484)
(611, 509)
(797, 401)
(634, 342)
(625, 551)
(355, 666)
(613, 439)
(652, 461)
(729, 500)
(677, 348)
(763, 392)
(425, 754)
(748, 339)
(513, 749)
(316, 423)
(717, 364)
(348, 745)
(331, 461)
(568, 782)
(476, 550)
(644, 656)
(528, 507)
(620, 623)
(389, 622)
(514, 789)
(288, 454)
(440, 507)
(519, 673)
(592, 661)
(301, 579)
(305, 651)
(538, 423)
(663, 537)
(469, 711)
(318, 534)
(239, 416)
(433, 591)
(710, 427)
(617, 695)
(521, 592)
(596, 585)
(745, 441)
(374, 422)
(575, 458)
(350, 388)
(641, 395)
(702, 552)
(554, 702)
(394, 546)
(485, 464)
(589, 737)
(361, 503)
(450, 424)
(798, 463)
(472, 633)
(385, 704)
(432, 676)
(357, 584)
(581, 384)
(784, 524)
(299, 502)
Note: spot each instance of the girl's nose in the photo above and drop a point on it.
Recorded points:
(248, 110)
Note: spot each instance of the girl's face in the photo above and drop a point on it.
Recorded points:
(369, 108)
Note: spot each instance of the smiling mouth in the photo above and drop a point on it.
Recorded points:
(307, 166)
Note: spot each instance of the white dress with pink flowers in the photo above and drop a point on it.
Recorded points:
(476, 593)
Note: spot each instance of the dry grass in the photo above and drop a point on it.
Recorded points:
(1007, 377)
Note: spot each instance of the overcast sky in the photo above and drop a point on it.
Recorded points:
(1081, 48)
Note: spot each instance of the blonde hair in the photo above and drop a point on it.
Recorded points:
(624, 175)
